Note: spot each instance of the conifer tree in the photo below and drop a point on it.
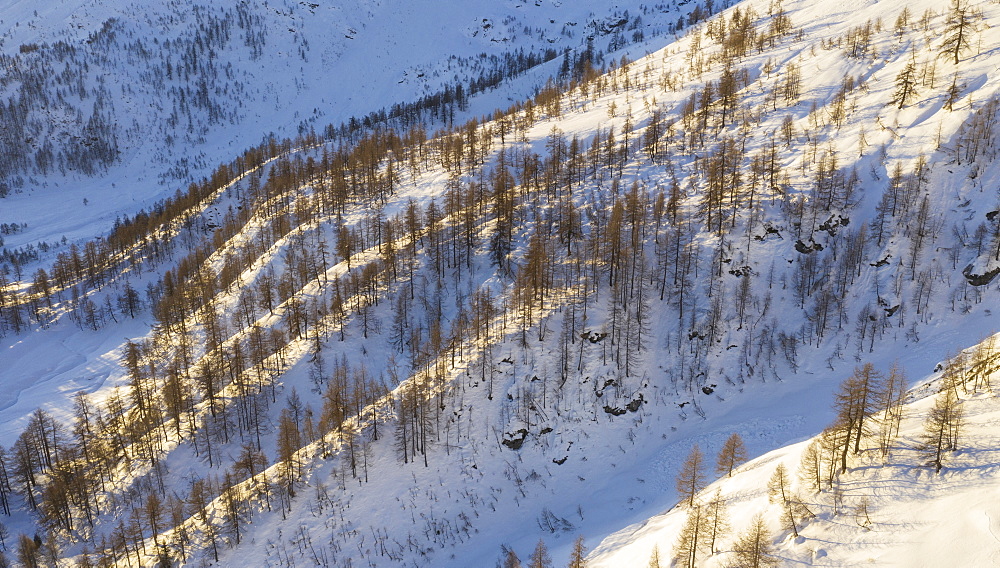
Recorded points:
(811, 466)
(906, 85)
(691, 538)
(654, 558)
(578, 557)
(27, 551)
(942, 427)
(780, 492)
(753, 548)
(855, 401)
(288, 443)
(958, 30)
(511, 560)
(732, 454)
(891, 407)
(540, 557)
(716, 521)
(691, 478)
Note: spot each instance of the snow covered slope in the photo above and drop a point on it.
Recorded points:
(112, 106)
(886, 511)
(417, 348)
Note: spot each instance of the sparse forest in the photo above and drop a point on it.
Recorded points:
(484, 299)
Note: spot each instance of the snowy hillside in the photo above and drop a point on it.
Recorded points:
(112, 106)
(889, 509)
(435, 345)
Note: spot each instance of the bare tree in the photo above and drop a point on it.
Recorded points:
(811, 466)
(893, 397)
(511, 560)
(855, 401)
(906, 85)
(27, 551)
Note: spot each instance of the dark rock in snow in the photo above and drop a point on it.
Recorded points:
(882, 262)
(635, 404)
(515, 440)
(980, 279)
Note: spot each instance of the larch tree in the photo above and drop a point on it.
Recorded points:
(232, 507)
(780, 492)
(540, 556)
(691, 478)
(690, 541)
(27, 552)
(511, 560)
(958, 30)
(731, 456)
(906, 85)
(716, 521)
(153, 512)
(578, 556)
(953, 94)
(753, 548)
(288, 443)
(893, 396)
(854, 403)
(811, 465)
(654, 558)
(942, 427)
(981, 362)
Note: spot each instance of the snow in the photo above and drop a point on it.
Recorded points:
(320, 65)
(616, 471)
(918, 517)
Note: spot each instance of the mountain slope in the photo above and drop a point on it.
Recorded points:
(383, 347)
(893, 511)
(115, 106)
